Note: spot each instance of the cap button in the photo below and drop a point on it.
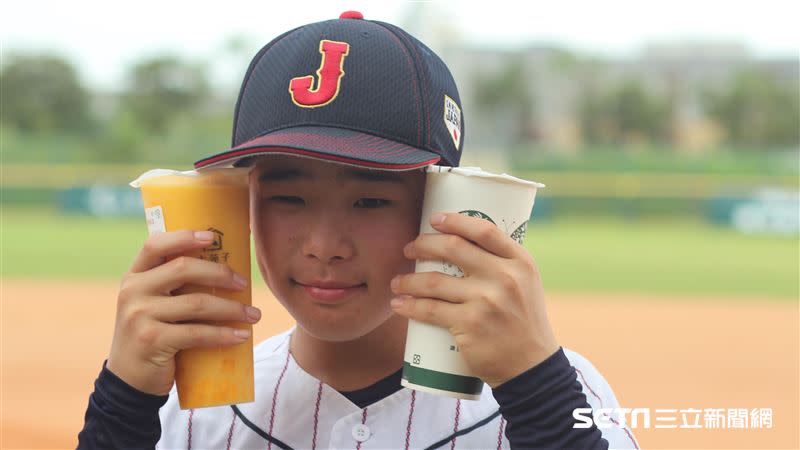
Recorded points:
(352, 15)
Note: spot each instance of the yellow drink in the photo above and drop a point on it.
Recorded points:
(215, 200)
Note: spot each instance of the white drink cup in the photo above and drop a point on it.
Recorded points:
(432, 360)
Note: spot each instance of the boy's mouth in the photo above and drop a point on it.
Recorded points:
(328, 291)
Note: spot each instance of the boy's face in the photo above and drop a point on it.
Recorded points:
(329, 238)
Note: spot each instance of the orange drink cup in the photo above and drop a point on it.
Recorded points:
(215, 200)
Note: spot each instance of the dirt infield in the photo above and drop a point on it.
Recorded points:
(657, 353)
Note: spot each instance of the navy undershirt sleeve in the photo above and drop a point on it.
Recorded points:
(538, 406)
(120, 416)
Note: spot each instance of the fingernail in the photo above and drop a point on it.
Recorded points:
(239, 281)
(241, 334)
(437, 219)
(397, 302)
(204, 235)
(253, 313)
(395, 283)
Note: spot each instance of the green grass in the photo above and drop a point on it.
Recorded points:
(681, 257)
(42, 244)
(721, 161)
(602, 256)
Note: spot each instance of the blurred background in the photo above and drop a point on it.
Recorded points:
(667, 133)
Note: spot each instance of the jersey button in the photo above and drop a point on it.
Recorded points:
(361, 432)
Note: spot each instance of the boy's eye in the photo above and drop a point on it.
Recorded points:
(371, 203)
(288, 199)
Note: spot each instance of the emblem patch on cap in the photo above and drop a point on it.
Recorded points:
(452, 119)
(329, 77)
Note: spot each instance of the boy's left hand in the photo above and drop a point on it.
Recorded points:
(496, 312)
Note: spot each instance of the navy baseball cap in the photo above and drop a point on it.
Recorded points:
(349, 90)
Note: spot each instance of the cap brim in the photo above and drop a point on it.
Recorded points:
(330, 144)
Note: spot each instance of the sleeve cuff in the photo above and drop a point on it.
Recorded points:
(533, 381)
(126, 396)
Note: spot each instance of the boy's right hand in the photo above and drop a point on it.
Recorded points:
(149, 329)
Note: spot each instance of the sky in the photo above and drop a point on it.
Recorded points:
(103, 38)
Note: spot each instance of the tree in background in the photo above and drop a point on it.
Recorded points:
(507, 96)
(42, 94)
(757, 111)
(627, 114)
(163, 88)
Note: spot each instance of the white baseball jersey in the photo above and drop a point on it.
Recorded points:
(294, 410)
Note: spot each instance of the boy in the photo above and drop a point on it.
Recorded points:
(338, 119)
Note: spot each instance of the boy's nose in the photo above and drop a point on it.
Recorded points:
(327, 242)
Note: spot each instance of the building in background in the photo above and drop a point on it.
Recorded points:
(550, 99)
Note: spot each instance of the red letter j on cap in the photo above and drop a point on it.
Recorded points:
(329, 77)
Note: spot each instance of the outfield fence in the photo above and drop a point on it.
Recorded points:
(717, 197)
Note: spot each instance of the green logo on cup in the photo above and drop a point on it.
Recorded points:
(519, 234)
(478, 214)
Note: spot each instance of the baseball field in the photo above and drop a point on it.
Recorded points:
(679, 316)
